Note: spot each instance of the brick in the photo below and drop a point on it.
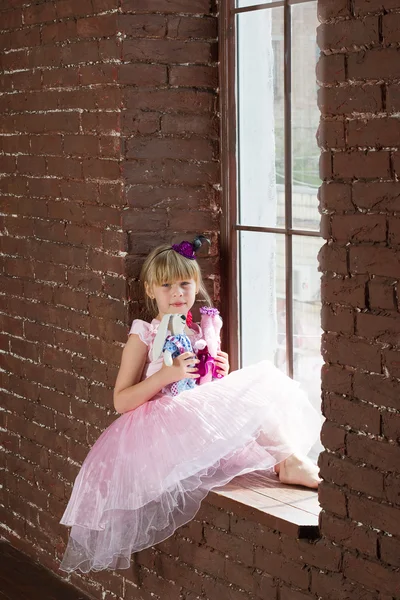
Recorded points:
(349, 534)
(144, 221)
(101, 168)
(392, 362)
(377, 63)
(170, 172)
(138, 26)
(99, 26)
(192, 27)
(350, 291)
(333, 257)
(335, 197)
(346, 473)
(333, 437)
(80, 145)
(168, 51)
(392, 488)
(347, 411)
(331, 134)
(237, 549)
(351, 352)
(175, 101)
(195, 149)
(202, 558)
(215, 589)
(366, 165)
(59, 32)
(134, 122)
(380, 454)
(391, 426)
(338, 319)
(79, 52)
(59, 78)
(333, 586)
(331, 68)
(396, 162)
(390, 550)
(325, 166)
(143, 74)
(361, 7)
(336, 379)
(278, 566)
(381, 293)
(393, 98)
(372, 574)
(72, 8)
(168, 6)
(59, 167)
(350, 100)
(205, 125)
(149, 196)
(243, 577)
(287, 593)
(378, 132)
(348, 34)
(316, 553)
(332, 499)
(375, 261)
(379, 328)
(327, 10)
(193, 76)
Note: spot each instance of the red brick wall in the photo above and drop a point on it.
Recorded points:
(359, 136)
(63, 313)
(109, 145)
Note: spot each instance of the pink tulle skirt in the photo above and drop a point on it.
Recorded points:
(149, 471)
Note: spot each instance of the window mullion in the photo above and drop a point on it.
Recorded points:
(288, 186)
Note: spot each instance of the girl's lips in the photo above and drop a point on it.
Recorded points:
(178, 304)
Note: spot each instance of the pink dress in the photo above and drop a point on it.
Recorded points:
(150, 469)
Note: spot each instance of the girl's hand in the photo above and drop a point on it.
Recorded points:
(222, 362)
(183, 367)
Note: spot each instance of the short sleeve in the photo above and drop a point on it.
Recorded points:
(143, 330)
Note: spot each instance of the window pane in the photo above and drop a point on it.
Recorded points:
(260, 55)
(305, 117)
(262, 297)
(307, 318)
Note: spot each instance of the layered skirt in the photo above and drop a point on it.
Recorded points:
(148, 472)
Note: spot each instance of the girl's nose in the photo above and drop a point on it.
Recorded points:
(177, 291)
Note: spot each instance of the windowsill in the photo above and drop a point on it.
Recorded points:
(260, 497)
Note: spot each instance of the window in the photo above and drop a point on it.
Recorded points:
(270, 168)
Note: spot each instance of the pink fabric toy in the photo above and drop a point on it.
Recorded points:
(208, 348)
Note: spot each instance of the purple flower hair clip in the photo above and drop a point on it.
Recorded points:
(188, 249)
(185, 249)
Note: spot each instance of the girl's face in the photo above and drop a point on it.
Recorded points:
(175, 297)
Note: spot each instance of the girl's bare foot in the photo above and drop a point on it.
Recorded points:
(298, 470)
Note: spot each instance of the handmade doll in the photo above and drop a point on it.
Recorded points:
(172, 346)
(207, 348)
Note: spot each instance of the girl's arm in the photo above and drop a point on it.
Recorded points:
(129, 391)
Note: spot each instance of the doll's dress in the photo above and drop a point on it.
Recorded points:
(149, 470)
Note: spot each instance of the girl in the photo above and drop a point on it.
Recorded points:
(149, 471)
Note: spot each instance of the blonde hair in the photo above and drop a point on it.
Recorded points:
(165, 265)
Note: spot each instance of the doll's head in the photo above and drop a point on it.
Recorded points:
(167, 264)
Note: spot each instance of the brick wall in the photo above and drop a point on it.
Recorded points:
(359, 137)
(63, 306)
(108, 145)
